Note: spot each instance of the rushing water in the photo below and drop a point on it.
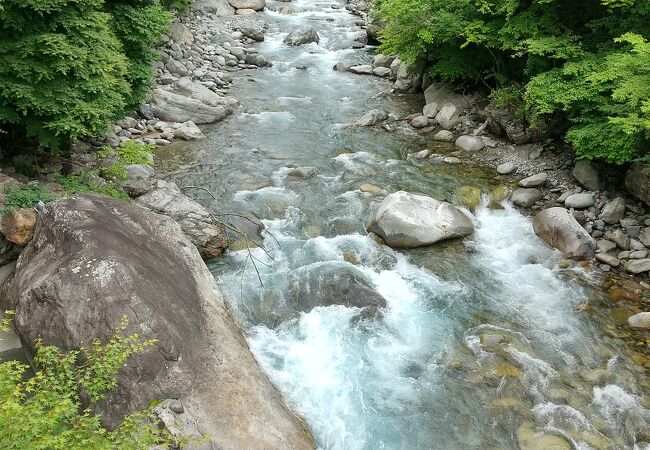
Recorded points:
(482, 342)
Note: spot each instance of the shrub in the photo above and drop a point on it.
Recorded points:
(75, 184)
(587, 60)
(26, 196)
(45, 411)
(129, 152)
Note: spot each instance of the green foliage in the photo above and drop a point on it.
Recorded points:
(44, 411)
(85, 182)
(6, 320)
(587, 60)
(129, 152)
(26, 196)
(67, 67)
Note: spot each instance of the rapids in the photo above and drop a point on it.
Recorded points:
(482, 342)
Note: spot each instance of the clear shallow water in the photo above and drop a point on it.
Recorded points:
(480, 340)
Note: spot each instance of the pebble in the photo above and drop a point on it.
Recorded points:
(506, 168)
(579, 201)
(608, 259)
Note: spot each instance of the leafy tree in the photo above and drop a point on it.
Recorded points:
(62, 70)
(584, 59)
(44, 411)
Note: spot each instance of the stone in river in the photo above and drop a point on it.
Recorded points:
(381, 71)
(372, 117)
(506, 168)
(420, 122)
(640, 321)
(443, 136)
(364, 69)
(558, 228)
(526, 197)
(304, 36)
(406, 220)
(638, 266)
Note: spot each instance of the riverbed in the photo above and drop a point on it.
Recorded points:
(490, 342)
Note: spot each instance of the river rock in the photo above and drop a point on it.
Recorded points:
(608, 259)
(620, 239)
(256, 5)
(18, 225)
(370, 188)
(253, 31)
(175, 107)
(381, 71)
(588, 175)
(605, 245)
(446, 113)
(430, 110)
(526, 197)
(302, 172)
(506, 168)
(613, 211)
(637, 265)
(640, 321)
(188, 131)
(406, 220)
(534, 180)
(132, 262)
(196, 221)
(383, 60)
(327, 285)
(364, 69)
(470, 143)
(443, 136)
(420, 122)
(217, 7)
(303, 36)
(180, 33)
(345, 65)
(637, 181)
(579, 201)
(245, 12)
(559, 229)
(372, 117)
(529, 439)
(469, 196)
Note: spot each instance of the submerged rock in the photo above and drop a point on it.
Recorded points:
(122, 259)
(559, 229)
(406, 220)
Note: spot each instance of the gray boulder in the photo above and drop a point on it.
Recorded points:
(364, 69)
(559, 229)
(430, 110)
(534, 180)
(446, 113)
(180, 33)
(218, 7)
(383, 60)
(579, 201)
(613, 211)
(588, 175)
(138, 172)
(196, 221)
(372, 117)
(406, 220)
(640, 321)
(345, 65)
(420, 122)
(441, 94)
(255, 5)
(637, 181)
(175, 107)
(526, 197)
(470, 143)
(303, 36)
(253, 31)
(443, 136)
(122, 260)
(637, 266)
(506, 168)
(381, 71)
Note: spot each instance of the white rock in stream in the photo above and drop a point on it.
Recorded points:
(406, 220)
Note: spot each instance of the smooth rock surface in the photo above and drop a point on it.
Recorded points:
(406, 220)
(588, 176)
(443, 136)
(129, 261)
(195, 220)
(637, 181)
(303, 36)
(470, 143)
(579, 201)
(640, 321)
(534, 180)
(559, 229)
(18, 225)
(613, 211)
(256, 5)
(526, 197)
(638, 265)
(372, 117)
(506, 168)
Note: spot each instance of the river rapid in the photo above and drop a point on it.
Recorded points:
(487, 343)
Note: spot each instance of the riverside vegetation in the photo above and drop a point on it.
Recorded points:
(70, 69)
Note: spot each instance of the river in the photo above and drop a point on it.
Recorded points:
(483, 344)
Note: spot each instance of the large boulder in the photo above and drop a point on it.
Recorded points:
(406, 220)
(218, 7)
(441, 93)
(558, 228)
(180, 33)
(196, 221)
(588, 175)
(255, 5)
(186, 100)
(95, 259)
(470, 143)
(372, 117)
(302, 36)
(637, 181)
